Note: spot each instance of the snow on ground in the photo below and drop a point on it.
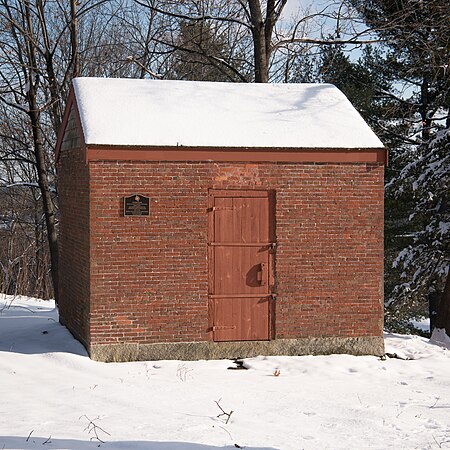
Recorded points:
(50, 391)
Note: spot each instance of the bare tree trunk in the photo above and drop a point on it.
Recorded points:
(259, 42)
(49, 208)
(443, 316)
(48, 57)
(74, 38)
(148, 38)
(39, 151)
(424, 108)
(262, 31)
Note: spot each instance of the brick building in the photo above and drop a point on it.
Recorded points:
(217, 220)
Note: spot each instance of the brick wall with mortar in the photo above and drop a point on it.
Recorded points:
(149, 274)
(74, 260)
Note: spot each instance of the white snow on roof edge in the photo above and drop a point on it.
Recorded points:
(135, 112)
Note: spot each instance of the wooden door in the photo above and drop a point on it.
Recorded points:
(241, 243)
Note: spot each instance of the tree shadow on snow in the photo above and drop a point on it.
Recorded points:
(20, 442)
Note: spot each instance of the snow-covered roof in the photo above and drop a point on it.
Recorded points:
(130, 112)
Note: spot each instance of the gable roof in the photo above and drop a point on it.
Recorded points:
(135, 112)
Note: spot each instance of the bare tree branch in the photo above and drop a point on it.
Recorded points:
(200, 18)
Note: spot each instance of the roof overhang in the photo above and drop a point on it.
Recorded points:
(304, 155)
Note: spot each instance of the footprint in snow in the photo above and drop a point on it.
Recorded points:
(431, 424)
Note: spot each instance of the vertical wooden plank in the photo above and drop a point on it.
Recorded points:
(252, 220)
(271, 215)
(210, 255)
(237, 221)
(272, 264)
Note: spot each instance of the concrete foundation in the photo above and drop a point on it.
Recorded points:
(191, 351)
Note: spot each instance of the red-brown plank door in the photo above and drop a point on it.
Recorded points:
(241, 252)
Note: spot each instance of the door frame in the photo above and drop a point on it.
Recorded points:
(230, 193)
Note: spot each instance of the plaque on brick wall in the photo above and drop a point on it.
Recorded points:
(136, 205)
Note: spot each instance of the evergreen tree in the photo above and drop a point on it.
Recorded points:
(416, 34)
(364, 81)
(200, 51)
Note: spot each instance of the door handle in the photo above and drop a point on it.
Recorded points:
(261, 274)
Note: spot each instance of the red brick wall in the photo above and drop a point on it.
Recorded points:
(74, 267)
(149, 274)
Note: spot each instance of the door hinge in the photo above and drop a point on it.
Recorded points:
(220, 208)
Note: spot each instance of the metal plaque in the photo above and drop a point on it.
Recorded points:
(136, 205)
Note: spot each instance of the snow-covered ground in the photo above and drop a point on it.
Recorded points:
(53, 396)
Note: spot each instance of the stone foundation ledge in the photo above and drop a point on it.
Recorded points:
(191, 351)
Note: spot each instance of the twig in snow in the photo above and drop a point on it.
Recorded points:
(437, 443)
(435, 403)
(47, 441)
(7, 305)
(224, 429)
(182, 372)
(20, 307)
(92, 427)
(28, 438)
(224, 413)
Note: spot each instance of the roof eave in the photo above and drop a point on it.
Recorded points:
(102, 152)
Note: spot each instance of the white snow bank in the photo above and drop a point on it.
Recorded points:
(50, 391)
(204, 114)
(439, 337)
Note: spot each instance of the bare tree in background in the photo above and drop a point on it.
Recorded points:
(39, 55)
(28, 66)
(256, 31)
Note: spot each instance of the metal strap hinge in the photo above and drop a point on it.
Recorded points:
(220, 208)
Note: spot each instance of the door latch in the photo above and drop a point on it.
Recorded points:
(260, 275)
